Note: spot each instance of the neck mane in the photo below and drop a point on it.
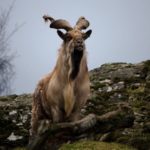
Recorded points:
(70, 67)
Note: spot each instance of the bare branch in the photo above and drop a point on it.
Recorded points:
(6, 56)
(49, 131)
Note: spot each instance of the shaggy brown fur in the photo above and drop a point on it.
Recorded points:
(60, 95)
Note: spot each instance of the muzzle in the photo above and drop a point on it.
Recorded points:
(79, 45)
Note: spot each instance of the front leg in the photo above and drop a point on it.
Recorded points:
(75, 115)
(57, 114)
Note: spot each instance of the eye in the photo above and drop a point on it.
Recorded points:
(68, 37)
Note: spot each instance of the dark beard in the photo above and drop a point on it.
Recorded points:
(76, 57)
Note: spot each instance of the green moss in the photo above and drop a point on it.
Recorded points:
(138, 97)
(93, 145)
(97, 85)
(138, 103)
(123, 139)
(139, 90)
(98, 104)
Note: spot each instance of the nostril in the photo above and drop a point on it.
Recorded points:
(79, 40)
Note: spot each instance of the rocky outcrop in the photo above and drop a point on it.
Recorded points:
(112, 85)
(122, 82)
(15, 114)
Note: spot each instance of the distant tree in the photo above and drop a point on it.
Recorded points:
(6, 56)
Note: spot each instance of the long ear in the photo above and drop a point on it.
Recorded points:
(87, 34)
(61, 34)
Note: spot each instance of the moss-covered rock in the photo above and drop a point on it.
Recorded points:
(111, 85)
(92, 145)
(122, 82)
(15, 114)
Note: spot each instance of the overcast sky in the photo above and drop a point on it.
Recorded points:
(121, 33)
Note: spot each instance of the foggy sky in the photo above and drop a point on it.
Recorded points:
(121, 33)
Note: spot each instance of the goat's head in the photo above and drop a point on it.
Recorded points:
(73, 39)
